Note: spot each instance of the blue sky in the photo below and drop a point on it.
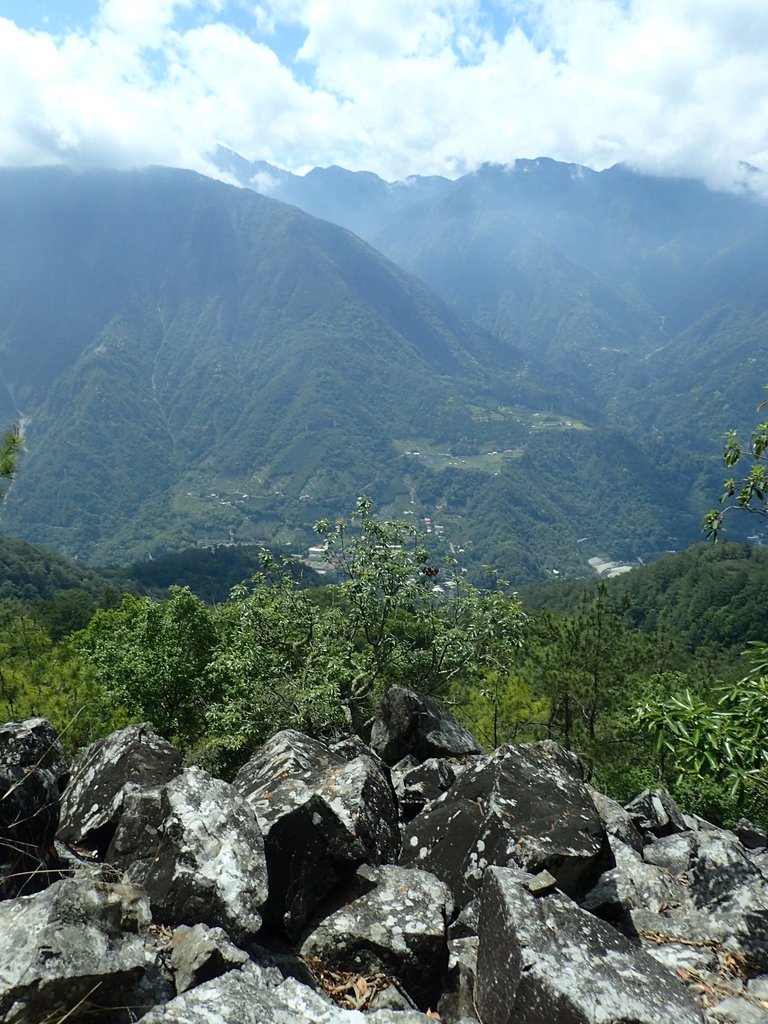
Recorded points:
(398, 87)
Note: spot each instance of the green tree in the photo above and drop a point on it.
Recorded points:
(750, 493)
(586, 665)
(10, 448)
(39, 678)
(153, 656)
(404, 627)
(718, 738)
(499, 707)
(280, 662)
(286, 658)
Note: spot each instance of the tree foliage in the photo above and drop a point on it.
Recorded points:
(287, 658)
(276, 654)
(718, 738)
(10, 447)
(40, 678)
(750, 492)
(152, 657)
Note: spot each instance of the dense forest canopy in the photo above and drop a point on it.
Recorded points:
(608, 669)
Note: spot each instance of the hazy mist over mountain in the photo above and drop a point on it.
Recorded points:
(194, 362)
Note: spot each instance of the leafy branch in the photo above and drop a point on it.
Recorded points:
(750, 493)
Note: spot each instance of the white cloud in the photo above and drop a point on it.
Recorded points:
(396, 87)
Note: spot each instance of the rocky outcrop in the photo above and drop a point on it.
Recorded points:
(656, 814)
(321, 817)
(546, 961)
(195, 846)
(33, 774)
(247, 997)
(397, 927)
(75, 949)
(520, 897)
(524, 805)
(131, 759)
(408, 723)
(418, 784)
(200, 954)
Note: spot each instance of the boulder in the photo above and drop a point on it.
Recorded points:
(287, 754)
(546, 961)
(733, 936)
(409, 723)
(33, 774)
(656, 814)
(523, 805)
(195, 845)
(397, 926)
(757, 988)
(200, 954)
(750, 835)
(419, 784)
(724, 878)
(759, 858)
(131, 759)
(673, 853)
(736, 1010)
(618, 823)
(632, 883)
(321, 818)
(34, 743)
(248, 997)
(457, 1002)
(74, 951)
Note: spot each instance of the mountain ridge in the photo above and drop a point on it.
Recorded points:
(199, 363)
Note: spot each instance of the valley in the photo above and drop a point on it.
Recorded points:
(213, 366)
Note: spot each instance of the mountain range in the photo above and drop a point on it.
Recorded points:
(539, 360)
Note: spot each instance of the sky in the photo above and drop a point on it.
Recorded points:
(398, 87)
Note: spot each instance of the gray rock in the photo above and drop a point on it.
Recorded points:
(349, 748)
(632, 883)
(75, 949)
(749, 835)
(736, 1010)
(618, 823)
(391, 998)
(33, 773)
(457, 1002)
(740, 933)
(758, 988)
(286, 755)
(423, 783)
(546, 961)
(242, 997)
(759, 858)
(201, 953)
(196, 847)
(131, 759)
(674, 853)
(397, 927)
(465, 924)
(319, 823)
(723, 878)
(682, 959)
(397, 773)
(34, 743)
(408, 723)
(656, 812)
(522, 805)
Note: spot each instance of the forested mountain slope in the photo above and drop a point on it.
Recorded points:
(648, 293)
(712, 596)
(194, 362)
